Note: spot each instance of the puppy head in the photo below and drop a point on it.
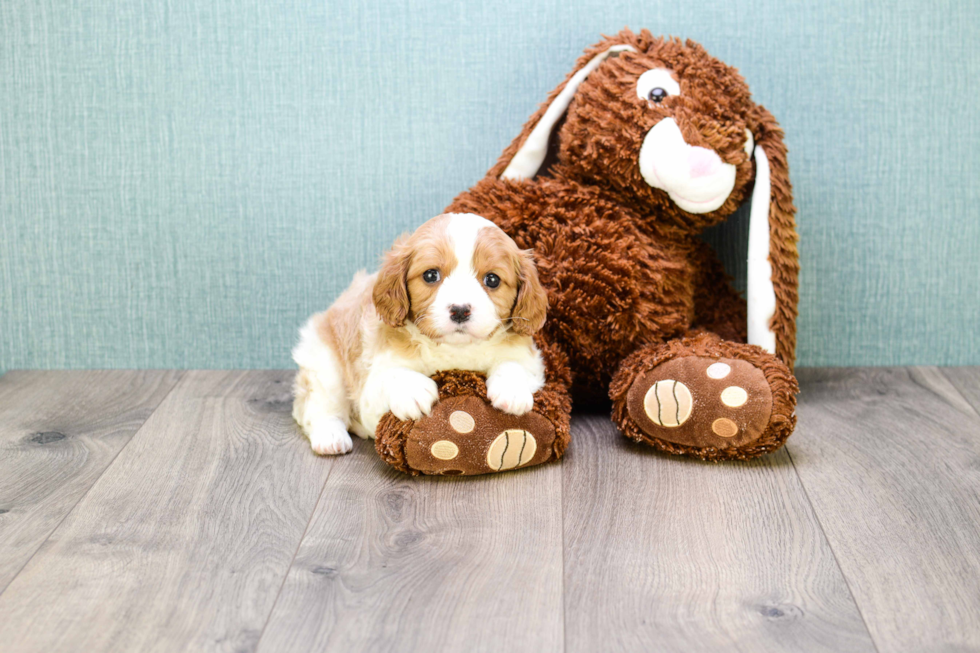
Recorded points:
(460, 279)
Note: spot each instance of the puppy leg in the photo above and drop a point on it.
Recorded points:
(320, 408)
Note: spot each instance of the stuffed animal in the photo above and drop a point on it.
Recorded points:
(646, 143)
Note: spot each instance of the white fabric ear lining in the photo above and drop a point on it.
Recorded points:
(761, 295)
(529, 158)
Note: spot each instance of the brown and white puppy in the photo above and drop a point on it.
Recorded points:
(456, 294)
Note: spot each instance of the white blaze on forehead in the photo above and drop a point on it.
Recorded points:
(463, 230)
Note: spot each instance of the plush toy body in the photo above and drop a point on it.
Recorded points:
(646, 143)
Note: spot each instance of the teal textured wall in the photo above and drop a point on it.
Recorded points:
(182, 182)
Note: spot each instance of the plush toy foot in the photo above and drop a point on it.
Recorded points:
(705, 397)
(465, 435)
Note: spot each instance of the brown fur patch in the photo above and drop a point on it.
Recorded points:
(401, 293)
(520, 299)
(496, 252)
(431, 249)
(340, 326)
(531, 305)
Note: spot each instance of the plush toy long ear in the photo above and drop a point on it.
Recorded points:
(773, 259)
(524, 157)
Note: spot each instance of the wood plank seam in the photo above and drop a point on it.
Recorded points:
(823, 533)
(299, 544)
(94, 483)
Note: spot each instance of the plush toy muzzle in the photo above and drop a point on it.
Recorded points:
(695, 178)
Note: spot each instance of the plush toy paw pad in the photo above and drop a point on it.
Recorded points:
(512, 448)
(444, 450)
(724, 427)
(668, 403)
(461, 421)
(465, 435)
(702, 402)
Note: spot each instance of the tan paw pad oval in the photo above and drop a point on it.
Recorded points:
(668, 403)
(512, 448)
(444, 450)
(724, 427)
(462, 422)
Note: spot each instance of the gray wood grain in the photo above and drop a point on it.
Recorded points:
(891, 463)
(966, 380)
(670, 554)
(394, 563)
(58, 433)
(184, 542)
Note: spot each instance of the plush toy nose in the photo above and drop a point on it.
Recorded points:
(702, 162)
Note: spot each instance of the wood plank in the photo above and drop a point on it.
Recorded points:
(58, 433)
(184, 542)
(394, 563)
(671, 554)
(891, 463)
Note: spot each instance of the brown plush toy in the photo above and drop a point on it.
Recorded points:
(645, 144)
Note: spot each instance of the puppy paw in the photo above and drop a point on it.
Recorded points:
(509, 390)
(329, 437)
(411, 395)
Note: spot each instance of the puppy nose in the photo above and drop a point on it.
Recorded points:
(702, 162)
(459, 313)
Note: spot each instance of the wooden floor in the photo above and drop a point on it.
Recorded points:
(182, 511)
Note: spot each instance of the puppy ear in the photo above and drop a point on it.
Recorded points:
(391, 299)
(524, 158)
(531, 304)
(773, 259)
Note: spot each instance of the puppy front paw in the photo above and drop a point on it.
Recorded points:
(411, 394)
(329, 437)
(509, 390)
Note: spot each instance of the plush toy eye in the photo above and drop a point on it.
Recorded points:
(657, 84)
(430, 276)
(491, 280)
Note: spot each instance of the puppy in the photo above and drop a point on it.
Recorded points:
(456, 294)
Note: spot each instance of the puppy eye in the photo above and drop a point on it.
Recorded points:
(491, 280)
(431, 276)
(657, 95)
